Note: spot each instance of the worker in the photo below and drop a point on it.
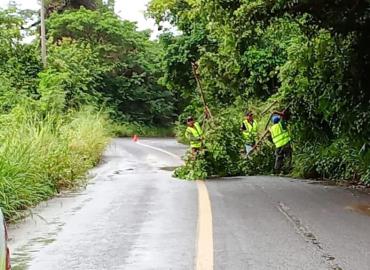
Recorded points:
(281, 138)
(249, 130)
(194, 134)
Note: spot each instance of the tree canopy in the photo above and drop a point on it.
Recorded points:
(309, 56)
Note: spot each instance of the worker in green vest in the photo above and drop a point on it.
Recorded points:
(281, 138)
(194, 134)
(249, 131)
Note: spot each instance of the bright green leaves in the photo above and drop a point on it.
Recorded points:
(224, 152)
(112, 63)
(73, 75)
(179, 12)
(103, 30)
(19, 62)
(312, 57)
(314, 81)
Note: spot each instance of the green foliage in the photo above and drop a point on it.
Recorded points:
(195, 169)
(121, 69)
(62, 5)
(19, 63)
(311, 57)
(260, 162)
(141, 130)
(40, 156)
(53, 129)
(335, 161)
(224, 155)
(224, 143)
(74, 71)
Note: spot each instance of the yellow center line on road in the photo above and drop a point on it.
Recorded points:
(205, 229)
(204, 256)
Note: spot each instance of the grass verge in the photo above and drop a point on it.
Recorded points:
(40, 155)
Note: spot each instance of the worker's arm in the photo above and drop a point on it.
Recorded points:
(188, 135)
(285, 115)
(243, 127)
(269, 137)
(281, 114)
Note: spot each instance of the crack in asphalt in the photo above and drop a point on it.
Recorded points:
(308, 235)
(302, 230)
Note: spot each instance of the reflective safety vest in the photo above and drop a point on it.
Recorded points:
(280, 136)
(250, 134)
(194, 135)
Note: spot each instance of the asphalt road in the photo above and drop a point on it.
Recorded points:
(134, 215)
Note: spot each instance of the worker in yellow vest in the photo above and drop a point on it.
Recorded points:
(194, 134)
(281, 139)
(249, 131)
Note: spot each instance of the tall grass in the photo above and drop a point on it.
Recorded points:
(39, 155)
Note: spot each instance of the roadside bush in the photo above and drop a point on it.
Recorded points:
(195, 169)
(336, 161)
(131, 129)
(366, 177)
(224, 142)
(109, 62)
(297, 52)
(40, 156)
(224, 151)
(261, 162)
(340, 160)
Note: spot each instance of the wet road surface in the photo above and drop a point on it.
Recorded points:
(133, 215)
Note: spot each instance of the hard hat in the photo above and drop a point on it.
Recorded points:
(275, 119)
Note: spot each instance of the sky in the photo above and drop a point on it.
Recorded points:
(127, 9)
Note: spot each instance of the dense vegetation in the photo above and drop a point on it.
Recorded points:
(111, 63)
(102, 77)
(310, 57)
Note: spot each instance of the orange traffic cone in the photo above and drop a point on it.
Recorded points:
(135, 138)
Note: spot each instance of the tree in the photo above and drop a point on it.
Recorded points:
(309, 56)
(131, 62)
(62, 5)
